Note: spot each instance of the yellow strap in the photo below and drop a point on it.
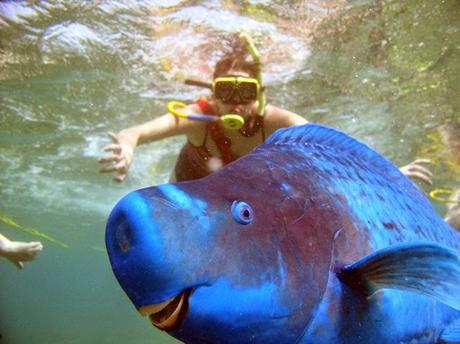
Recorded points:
(172, 108)
(435, 194)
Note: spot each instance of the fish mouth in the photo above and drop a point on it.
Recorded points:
(168, 315)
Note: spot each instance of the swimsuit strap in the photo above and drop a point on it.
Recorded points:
(217, 133)
(222, 142)
(206, 109)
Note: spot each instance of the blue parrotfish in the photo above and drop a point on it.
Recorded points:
(313, 237)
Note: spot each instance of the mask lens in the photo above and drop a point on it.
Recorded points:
(224, 90)
(234, 90)
(247, 91)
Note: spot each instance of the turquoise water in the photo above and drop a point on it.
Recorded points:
(386, 72)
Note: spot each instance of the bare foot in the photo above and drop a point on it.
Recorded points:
(19, 252)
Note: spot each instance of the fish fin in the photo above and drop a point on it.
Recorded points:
(317, 135)
(451, 334)
(425, 268)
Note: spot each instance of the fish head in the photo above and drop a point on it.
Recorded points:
(234, 257)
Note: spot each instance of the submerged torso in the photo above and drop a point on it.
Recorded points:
(216, 146)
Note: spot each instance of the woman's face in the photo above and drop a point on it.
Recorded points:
(244, 110)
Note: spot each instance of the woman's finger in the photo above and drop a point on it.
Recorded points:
(107, 168)
(421, 161)
(113, 147)
(420, 169)
(120, 167)
(113, 137)
(421, 177)
(109, 159)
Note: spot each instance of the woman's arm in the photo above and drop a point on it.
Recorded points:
(125, 142)
(276, 118)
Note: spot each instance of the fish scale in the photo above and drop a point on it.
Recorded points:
(377, 184)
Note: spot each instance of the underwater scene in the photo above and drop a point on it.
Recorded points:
(386, 72)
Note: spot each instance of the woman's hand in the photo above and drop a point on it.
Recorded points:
(417, 172)
(453, 210)
(119, 160)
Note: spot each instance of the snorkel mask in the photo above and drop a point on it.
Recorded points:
(230, 90)
(236, 89)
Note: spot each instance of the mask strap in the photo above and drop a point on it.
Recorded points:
(198, 83)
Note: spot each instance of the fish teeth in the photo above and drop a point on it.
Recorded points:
(172, 319)
(154, 308)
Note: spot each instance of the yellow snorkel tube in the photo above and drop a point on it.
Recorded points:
(251, 48)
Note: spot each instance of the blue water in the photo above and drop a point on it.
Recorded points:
(383, 71)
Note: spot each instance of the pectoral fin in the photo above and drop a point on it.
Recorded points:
(425, 268)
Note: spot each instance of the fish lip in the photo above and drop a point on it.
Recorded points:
(168, 315)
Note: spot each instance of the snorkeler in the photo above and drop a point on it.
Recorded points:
(19, 252)
(229, 124)
(242, 121)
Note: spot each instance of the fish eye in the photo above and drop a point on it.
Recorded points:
(242, 212)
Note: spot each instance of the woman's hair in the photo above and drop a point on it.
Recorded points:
(236, 58)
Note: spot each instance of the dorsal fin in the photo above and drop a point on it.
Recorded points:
(314, 134)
